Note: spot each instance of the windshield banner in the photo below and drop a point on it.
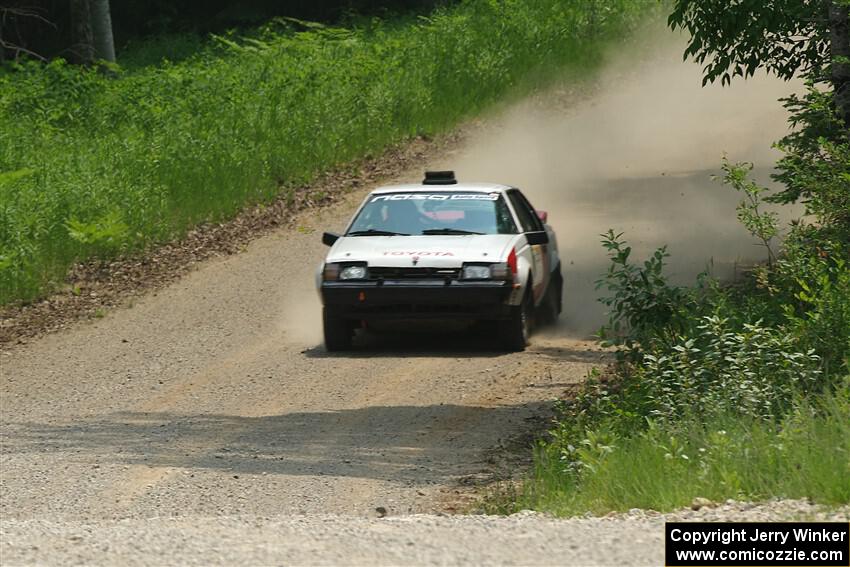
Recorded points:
(436, 197)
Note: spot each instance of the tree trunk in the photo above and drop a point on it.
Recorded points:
(82, 49)
(839, 28)
(102, 30)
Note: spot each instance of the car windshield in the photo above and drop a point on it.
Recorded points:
(438, 213)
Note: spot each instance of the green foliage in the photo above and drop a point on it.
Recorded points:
(763, 225)
(643, 307)
(732, 396)
(820, 318)
(115, 162)
(107, 231)
(733, 39)
(804, 455)
(754, 371)
(824, 180)
(9, 177)
(816, 164)
(790, 38)
(746, 349)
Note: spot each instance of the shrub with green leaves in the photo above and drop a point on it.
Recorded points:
(816, 166)
(644, 308)
(763, 225)
(744, 348)
(819, 319)
(755, 371)
(727, 391)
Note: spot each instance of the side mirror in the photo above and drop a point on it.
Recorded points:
(328, 238)
(542, 215)
(538, 237)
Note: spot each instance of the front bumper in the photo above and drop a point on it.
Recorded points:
(425, 299)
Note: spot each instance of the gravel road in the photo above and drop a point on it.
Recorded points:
(204, 425)
(213, 398)
(526, 538)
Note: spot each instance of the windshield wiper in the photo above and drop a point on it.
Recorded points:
(375, 232)
(449, 231)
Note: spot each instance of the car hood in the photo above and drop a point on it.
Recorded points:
(429, 251)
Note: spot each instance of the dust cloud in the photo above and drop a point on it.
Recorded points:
(632, 149)
(635, 150)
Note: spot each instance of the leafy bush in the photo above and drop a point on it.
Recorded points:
(722, 391)
(816, 164)
(820, 319)
(742, 349)
(763, 225)
(755, 371)
(644, 308)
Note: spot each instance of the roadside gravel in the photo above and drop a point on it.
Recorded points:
(526, 538)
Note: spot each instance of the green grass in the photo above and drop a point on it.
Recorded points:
(805, 455)
(93, 164)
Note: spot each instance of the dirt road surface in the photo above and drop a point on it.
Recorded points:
(206, 424)
(214, 398)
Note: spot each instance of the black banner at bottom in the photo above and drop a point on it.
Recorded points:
(763, 544)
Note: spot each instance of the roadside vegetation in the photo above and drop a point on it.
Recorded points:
(728, 390)
(96, 164)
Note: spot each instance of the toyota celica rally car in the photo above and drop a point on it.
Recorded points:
(442, 250)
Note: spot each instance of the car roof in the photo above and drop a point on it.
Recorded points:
(418, 187)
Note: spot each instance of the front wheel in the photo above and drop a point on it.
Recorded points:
(338, 331)
(515, 331)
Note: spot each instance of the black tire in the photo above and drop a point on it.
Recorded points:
(552, 304)
(515, 331)
(338, 331)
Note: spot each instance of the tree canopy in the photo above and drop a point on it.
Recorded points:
(736, 38)
(803, 38)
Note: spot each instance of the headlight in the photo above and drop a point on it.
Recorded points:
(475, 272)
(353, 273)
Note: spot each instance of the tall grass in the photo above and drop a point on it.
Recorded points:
(804, 455)
(93, 163)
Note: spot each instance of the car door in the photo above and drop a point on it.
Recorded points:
(532, 227)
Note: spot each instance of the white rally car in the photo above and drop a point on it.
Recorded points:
(442, 250)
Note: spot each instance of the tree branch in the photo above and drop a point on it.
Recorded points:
(18, 50)
(25, 13)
